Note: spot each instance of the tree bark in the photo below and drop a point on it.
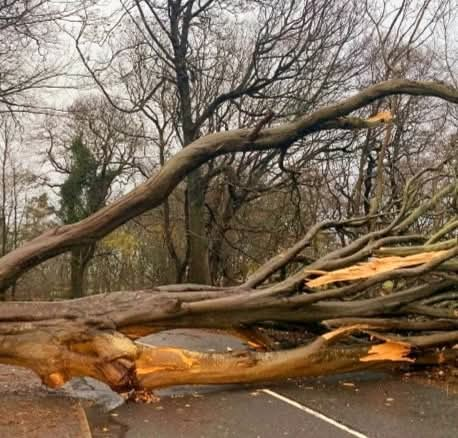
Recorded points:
(77, 274)
(58, 350)
(79, 260)
(199, 268)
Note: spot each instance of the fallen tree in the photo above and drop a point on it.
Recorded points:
(343, 291)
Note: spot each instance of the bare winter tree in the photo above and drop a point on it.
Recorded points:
(15, 180)
(198, 67)
(29, 57)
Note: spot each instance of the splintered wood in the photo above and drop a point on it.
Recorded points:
(381, 117)
(388, 351)
(371, 268)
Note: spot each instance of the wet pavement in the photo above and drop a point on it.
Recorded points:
(364, 404)
(233, 413)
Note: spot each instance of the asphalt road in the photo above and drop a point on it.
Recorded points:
(359, 405)
(354, 405)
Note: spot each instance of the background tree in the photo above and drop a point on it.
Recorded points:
(81, 194)
(31, 61)
(98, 156)
(15, 180)
(263, 57)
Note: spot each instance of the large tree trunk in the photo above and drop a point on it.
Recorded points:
(61, 347)
(198, 263)
(199, 268)
(80, 258)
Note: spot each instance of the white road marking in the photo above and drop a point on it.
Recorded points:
(316, 414)
(84, 423)
(303, 408)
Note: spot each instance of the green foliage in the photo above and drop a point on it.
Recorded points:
(86, 187)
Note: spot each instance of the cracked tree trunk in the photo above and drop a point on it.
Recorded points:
(60, 351)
